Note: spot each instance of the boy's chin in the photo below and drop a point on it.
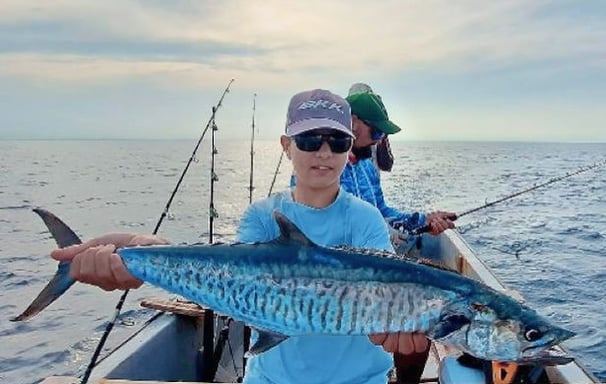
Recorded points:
(320, 182)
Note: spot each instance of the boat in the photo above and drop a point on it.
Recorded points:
(172, 345)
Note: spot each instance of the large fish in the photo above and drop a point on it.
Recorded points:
(293, 287)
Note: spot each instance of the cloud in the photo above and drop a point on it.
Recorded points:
(438, 63)
(273, 43)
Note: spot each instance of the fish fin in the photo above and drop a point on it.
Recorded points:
(53, 290)
(61, 281)
(448, 324)
(266, 341)
(289, 232)
(63, 235)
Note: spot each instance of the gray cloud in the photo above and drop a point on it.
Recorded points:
(57, 38)
(466, 55)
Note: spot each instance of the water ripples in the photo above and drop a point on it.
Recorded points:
(549, 244)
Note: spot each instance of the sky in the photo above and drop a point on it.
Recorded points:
(481, 70)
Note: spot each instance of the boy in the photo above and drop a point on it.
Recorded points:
(317, 139)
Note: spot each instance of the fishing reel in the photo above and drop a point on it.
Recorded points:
(406, 226)
(403, 235)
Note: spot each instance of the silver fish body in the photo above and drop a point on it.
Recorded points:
(292, 287)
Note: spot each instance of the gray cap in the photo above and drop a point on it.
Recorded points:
(317, 109)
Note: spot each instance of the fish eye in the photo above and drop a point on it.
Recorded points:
(533, 334)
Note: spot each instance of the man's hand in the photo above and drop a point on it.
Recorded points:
(439, 221)
(401, 342)
(95, 261)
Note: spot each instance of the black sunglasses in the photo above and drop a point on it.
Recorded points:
(375, 133)
(311, 142)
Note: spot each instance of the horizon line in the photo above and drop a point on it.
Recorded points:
(267, 140)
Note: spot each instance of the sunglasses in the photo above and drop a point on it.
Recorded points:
(375, 133)
(311, 142)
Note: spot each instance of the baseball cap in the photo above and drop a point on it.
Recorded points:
(359, 88)
(368, 106)
(316, 109)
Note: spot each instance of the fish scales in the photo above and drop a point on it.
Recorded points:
(303, 305)
(302, 289)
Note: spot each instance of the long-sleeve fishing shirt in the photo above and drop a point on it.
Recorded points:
(319, 358)
(361, 178)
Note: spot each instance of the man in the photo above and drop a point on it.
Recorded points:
(370, 125)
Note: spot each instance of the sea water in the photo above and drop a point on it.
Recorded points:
(549, 244)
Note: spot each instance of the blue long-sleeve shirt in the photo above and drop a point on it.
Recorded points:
(361, 178)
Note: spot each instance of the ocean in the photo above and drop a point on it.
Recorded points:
(549, 244)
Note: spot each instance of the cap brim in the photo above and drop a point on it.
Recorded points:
(387, 127)
(311, 124)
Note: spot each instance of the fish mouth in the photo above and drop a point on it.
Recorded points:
(550, 356)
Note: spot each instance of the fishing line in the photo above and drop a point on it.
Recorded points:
(517, 251)
(427, 228)
(122, 299)
(252, 152)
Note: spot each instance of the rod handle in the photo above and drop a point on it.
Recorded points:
(427, 227)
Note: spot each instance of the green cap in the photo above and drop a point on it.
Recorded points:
(369, 107)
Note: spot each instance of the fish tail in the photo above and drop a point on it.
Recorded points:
(61, 281)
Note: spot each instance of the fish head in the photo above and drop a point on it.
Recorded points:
(518, 334)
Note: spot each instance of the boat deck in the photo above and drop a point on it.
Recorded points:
(430, 374)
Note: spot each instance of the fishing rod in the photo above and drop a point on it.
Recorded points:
(214, 355)
(212, 214)
(252, 152)
(122, 299)
(273, 181)
(193, 155)
(246, 333)
(427, 228)
(210, 353)
(208, 332)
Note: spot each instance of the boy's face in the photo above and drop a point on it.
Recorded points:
(318, 169)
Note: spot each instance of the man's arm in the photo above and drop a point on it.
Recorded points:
(409, 220)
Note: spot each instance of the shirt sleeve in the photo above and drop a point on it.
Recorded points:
(409, 220)
(252, 227)
(372, 232)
